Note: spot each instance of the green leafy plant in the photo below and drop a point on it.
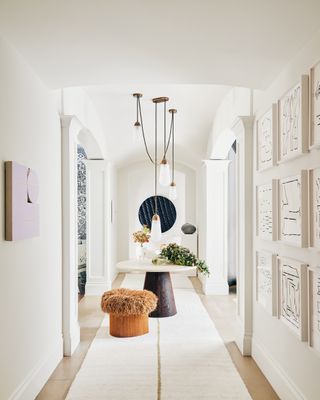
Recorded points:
(179, 255)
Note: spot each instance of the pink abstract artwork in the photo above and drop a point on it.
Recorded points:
(22, 210)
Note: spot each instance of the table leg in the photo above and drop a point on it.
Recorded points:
(160, 284)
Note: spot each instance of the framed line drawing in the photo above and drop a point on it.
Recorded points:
(293, 121)
(314, 91)
(266, 139)
(314, 184)
(293, 209)
(293, 304)
(266, 281)
(266, 210)
(314, 308)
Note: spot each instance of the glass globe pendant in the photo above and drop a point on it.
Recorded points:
(164, 173)
(172, 191)
(136, 132)
(156, 229)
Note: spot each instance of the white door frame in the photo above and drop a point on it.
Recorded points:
(243, 130)
(73, 133)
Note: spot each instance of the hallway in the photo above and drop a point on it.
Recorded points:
(222, 312)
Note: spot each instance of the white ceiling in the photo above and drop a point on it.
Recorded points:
(86, 42)
(196, 105)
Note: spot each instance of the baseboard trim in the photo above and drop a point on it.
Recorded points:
(277, 377)
(215, 288)
(38, 376)
(97, 289)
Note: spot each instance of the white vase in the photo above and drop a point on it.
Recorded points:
(139, 252)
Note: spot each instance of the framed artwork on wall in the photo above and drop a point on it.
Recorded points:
(293, 209)
(314, 183)
(266, 281)
(266, 214)
(315, 105)
(266, 143)
(293, 304)
(314, 307)
(293, 121)
(22, 202)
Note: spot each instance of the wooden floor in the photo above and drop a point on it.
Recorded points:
(222, 310)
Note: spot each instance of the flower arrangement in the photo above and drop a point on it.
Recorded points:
(178, 255)
(142, 236)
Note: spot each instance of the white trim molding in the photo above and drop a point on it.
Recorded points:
(214, 248)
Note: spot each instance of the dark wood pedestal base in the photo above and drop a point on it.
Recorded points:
(160, 284)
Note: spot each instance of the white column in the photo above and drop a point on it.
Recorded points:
(70, 325)
(213, 229)
(98, 279)
(243, 129)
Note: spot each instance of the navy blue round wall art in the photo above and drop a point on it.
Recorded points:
(166, 211)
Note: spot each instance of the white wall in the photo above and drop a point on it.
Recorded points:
(135, 184)
(237, 102)
(30, 285)
(292, 367)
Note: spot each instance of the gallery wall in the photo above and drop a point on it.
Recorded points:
(30, 285)
(283, 319)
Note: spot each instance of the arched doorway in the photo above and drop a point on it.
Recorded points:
(74, 134)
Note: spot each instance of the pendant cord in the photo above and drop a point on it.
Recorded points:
(143, 134)
(164, 129)
(137, 109)
(172, 147)
(156, 159)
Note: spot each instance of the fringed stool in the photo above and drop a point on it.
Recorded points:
(128, 311)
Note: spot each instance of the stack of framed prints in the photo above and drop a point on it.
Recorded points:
(288, 208)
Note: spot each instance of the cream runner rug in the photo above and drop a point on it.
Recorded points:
(182, 358)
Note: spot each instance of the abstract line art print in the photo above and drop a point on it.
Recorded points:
(314, 307)
(266, 139)
(315, 207)
(293, 296)
(266, 213)
(315, 105)
(293, 121)
(266, 280)
(293, 209)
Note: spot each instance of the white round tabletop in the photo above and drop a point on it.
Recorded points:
(147, 266)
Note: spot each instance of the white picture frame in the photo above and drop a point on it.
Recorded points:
(314, 308)
(293, 121)
(266, 210)
(266, 139)
(266, 281)
(293, 296)
(314, 91)
(293, 210)
(314, 184)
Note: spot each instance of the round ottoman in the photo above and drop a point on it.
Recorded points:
(128, 311)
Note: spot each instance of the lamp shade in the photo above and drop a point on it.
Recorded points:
(136, 132)
(156, 229)
(164, 173)
(172, 191)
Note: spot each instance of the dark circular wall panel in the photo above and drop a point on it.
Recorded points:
(166, 211)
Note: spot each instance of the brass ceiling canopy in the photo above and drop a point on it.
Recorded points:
(160, 99)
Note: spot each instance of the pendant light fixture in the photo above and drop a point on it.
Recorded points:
(173, 187)
(164, 173)
(165, 177)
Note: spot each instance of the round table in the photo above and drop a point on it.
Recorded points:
(158, 281)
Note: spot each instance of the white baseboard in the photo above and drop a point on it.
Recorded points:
(215, 288)
(38, 376)
(71, 339)
(277, 377)
(97, 289)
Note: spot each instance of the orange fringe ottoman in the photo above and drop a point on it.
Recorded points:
(128, 311)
